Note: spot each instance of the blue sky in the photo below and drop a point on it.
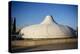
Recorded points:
(27, 13)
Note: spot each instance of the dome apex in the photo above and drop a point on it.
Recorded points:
(48, 20)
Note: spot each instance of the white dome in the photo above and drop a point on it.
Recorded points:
(48, 28)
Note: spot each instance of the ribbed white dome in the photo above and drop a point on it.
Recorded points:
(48, 28)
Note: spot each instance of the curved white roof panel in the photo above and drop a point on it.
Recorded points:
(48, 28)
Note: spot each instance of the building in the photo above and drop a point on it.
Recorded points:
(48, 28)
